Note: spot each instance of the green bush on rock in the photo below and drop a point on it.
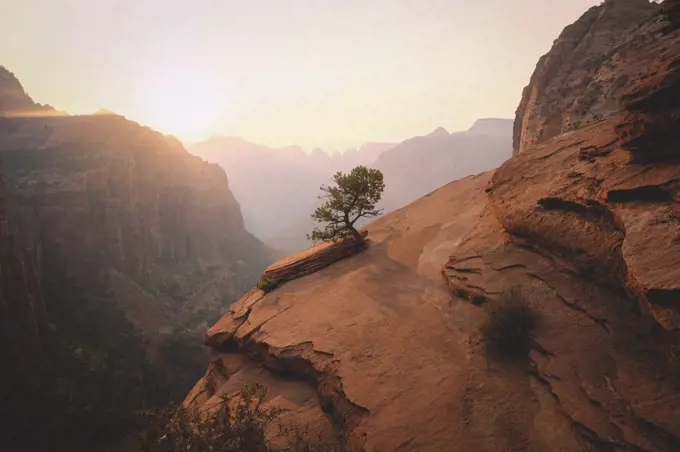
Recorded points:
(267, 285)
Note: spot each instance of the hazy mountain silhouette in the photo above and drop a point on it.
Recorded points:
(422, 164)
(278, 188)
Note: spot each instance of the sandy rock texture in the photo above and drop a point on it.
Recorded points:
(591, 65)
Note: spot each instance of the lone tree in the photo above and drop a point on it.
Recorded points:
(350, 197)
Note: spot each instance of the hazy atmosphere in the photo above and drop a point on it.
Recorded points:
(312, 73)
(339, 225)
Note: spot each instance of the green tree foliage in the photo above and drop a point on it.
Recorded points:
(351, 196)
(267, 285)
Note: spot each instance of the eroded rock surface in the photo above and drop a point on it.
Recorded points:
(595, 256)
(590, 66)
(371, 334)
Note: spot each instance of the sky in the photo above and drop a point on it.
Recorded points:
(314, 73)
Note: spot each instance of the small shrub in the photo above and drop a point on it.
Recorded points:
(233, 427)
(239, 424)
(461, 292)
(478, 299)
(507, 334)
(267, 285)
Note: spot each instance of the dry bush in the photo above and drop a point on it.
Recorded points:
(508, 332)
(239, 424)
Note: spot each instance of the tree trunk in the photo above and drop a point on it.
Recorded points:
(357, 235)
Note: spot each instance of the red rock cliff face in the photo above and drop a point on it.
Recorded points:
(112, 202)
(583, 77)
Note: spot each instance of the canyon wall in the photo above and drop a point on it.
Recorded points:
(121, 246)
(583, 77)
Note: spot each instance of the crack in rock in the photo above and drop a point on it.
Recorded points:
(317, 368)
(599, 321)
(300, 361)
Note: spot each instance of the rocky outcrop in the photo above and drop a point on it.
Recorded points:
(368, 336)
(592, 240)
(311, 260)
(584, 76)
(15, 102)
(13, 98)
(650, 129)
(585, 223)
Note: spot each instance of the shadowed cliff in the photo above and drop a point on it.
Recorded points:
(118, 249)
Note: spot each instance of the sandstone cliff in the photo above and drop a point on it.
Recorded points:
(386, 345)
(133, 244)
(584, 76)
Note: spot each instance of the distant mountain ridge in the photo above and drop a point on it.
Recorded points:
(14, 101)
(422, 164)
(278, 187)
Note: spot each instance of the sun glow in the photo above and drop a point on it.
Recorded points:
(183, 102)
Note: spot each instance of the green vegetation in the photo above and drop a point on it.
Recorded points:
(242, 423)
(507, 334)
(351, 197)
(267, 285)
